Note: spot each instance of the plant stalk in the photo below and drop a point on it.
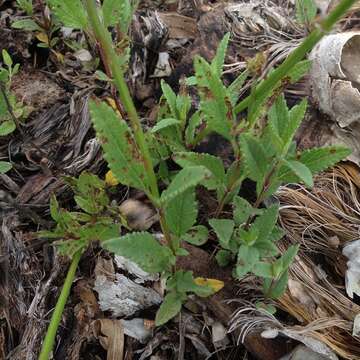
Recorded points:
(266, 87)
(111, 58)
(49, 340)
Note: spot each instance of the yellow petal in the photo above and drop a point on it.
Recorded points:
(110, 179)
(42, 37)
(216, 285)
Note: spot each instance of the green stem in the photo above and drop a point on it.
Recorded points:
(49, 340)
(266, 87)
(111, 58)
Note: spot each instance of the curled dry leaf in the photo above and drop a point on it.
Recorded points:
(111, 336)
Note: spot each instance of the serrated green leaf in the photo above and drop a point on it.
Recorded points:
(299, 71)
(170, 97)
(289, 255)
(87, 204)
(305, 11)
(185, 179)
(275, 289)
(223, 257)
(247, 258)
(5, 167)
(54, 208)
(248, 237)
(183, 105)
(7, 127)
(212, 163)
(121, 151)
(266, 222)
(276, 234)
(197, 235)
(164, 123)
(116, 11)
(254, 157)
(219, 59)
(263, 269)
(82, 217)
(26, 5)
(193, 123)
(296, 116)
(70, 12)
(241, 210)
(181, 212)
(26, 24)
(235, 87)
(301, 171)
(278, 123)
(170, 307)
(143, 249)
(319, 159)
(224, 229)
(215, 104)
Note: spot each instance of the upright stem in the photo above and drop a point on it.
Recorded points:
(111, 58)
(298, 54)
(49, 340)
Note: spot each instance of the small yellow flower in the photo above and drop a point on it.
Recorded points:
(110, 179)
(214, 284)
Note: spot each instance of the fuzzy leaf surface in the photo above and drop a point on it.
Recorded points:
(185, 179)
(215, 103)
(255, 158)
(197, 235)
(266, 222)
(317, 160)
(212, 163)
(143, 249)
(181, 212)
(165, 123)
(170, 307)
(70, 12)
(219, 59)
(117, 11)
(241, 209)
(121, 152)
(301, 171)
(224, 229)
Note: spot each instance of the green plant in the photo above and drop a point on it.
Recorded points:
(10, 109)
(305, 11)
(265, 154)
(44, 27)
(26, 5)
